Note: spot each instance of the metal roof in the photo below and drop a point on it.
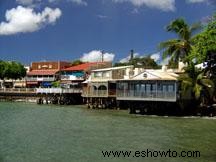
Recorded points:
(113, 68)
(155, 75)
(42, 72)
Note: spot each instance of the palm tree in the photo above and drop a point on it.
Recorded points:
(179, 48)
(194, 80)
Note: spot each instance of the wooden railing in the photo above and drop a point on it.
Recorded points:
(95, 93)
(58, 90)
(40, 79)
(148, 96)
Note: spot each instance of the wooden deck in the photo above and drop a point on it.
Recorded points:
(58, 90)
(17, 90)
(39, 90)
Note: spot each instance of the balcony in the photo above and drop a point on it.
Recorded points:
(71, 77)
(146, 96)
(95, 93)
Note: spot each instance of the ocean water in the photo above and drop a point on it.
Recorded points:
(48, 133)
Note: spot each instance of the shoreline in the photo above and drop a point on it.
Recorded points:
(34, 101)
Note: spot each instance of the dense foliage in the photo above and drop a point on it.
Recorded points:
(11, 70)
(144, 62)
(76, 62)
(204, 42)
(195, 49)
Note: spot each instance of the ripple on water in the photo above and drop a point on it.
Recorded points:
(45, 133)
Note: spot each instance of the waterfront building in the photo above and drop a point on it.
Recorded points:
(73, 76)
(42, 74)
(69, 88)
(100, 88)
(149, 85)
(149, 92)
(121, 86)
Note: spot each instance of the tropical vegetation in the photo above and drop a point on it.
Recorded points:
(11, 70)
(193, 49)
(178, 49)
(144, 62)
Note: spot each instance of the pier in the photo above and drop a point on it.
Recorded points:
(43, 95)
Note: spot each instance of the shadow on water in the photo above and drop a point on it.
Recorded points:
(1, 159)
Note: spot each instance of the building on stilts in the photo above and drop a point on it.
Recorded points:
(99, 90)
(151, 91)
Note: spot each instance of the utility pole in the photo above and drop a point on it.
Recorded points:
(102, 56)
(131, 56)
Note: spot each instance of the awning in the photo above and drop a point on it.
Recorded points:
(19, 84)
(46, 84)
(32, 83)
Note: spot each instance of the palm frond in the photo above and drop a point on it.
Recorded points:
(209, 86)
(197, 90)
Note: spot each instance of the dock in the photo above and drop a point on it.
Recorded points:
(44, 95)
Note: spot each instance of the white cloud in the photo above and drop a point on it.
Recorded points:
(126, 59)
(156, 56)
(195, 1)
(102, 16)
(164, 5)
(135, 11)
(24, 20)
(96, 55)
(165, 61)
(79, 2)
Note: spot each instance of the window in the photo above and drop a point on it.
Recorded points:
(39, 66)
(153, 87)
(170, 88)
(159, 87)
(106, 74)
(148, 87)
(142, 87)
(145, 75)
(164, 88)
(97, 74)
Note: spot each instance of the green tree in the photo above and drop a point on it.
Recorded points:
(76, 62)
(11, 70)
(2, 69)
(56, 84)
(204, 42)
(143, 62)
(179, 48)
(202, 89)
(205, 50)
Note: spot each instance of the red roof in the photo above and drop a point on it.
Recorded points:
(42, 72)
(82, 67)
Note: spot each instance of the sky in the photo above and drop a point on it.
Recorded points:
(51, 30)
